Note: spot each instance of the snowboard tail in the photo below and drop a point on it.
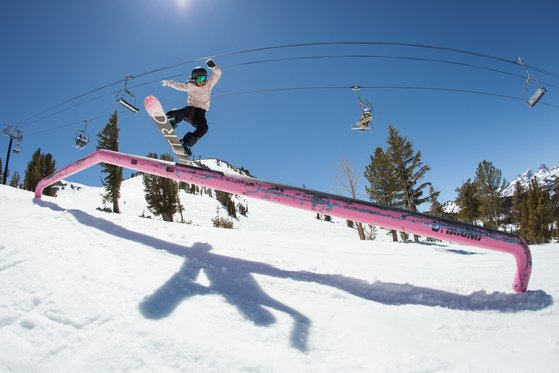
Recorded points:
(157, 114)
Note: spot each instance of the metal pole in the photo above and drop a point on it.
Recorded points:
(5, 176)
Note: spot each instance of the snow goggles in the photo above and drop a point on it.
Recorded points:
(201, 79)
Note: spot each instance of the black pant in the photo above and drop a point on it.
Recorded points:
(194, 116)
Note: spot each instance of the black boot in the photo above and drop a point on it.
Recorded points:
(172, 121)
(186, 148)
(188, 141)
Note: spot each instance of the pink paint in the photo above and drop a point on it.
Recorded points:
(342, 207)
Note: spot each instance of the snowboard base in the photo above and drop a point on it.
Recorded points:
(155, 111)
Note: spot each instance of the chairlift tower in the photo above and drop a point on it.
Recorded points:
(14, 133)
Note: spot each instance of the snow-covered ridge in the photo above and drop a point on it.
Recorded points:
(223, 166)
(545, 176)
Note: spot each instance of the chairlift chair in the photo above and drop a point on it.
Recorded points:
(82, 139)
(127, 98)
(366, 115)
(531, 81)
(17, 148)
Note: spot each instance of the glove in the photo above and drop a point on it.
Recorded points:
(210, 63)
(165, 83)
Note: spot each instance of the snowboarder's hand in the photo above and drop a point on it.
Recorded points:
(210, 63)
(165, 83)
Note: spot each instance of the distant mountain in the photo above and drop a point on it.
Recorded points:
(545, 176)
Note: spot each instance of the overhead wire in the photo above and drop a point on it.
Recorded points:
(71, 124)
(299, 45)
(389, 57)
(70, 100)
(441, 89)
(413, 45)
(308, 88)
(294, 59)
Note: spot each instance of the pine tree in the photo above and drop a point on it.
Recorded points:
(467, 202)
(409, 170)
(555, 206)
(33, 171)
(40, 166)
(540, 214)
(227, 202)
(436, 208)
(108, 139)
(16, 180)
(382, 178)
(519, 210)
(161, 194)
(489, 184)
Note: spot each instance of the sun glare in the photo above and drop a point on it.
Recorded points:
(182, 3)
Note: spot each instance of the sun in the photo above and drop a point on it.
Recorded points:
(182, 3)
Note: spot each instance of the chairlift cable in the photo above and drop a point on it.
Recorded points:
(442, 89)
(291, 59)
(285, 89)
(412, 45)
(72, 99)
(285, 46)
(71, 124)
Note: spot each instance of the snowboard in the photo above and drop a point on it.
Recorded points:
(157, 114)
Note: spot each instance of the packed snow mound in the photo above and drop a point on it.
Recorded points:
(89, 291)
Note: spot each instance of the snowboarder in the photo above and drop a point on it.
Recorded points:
(199, 89)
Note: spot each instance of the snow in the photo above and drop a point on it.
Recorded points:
(89, 291)
(451, 207)
(545, 176)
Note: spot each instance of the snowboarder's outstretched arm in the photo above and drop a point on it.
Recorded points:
(175, 85)
(211, 82)
(216, 72)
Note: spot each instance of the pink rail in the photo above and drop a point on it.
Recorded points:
(342, 207)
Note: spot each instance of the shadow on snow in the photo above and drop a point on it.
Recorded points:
(233, 279)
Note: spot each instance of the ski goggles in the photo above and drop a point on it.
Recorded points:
(201, 79)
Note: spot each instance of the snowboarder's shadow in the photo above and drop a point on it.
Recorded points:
(233, 279)
(228, 279)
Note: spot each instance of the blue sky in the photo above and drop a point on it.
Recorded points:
(56, 50)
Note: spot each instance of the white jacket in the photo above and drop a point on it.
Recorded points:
(198, 96)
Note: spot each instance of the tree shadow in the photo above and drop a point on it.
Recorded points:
(233, 279)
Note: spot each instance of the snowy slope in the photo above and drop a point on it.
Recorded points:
(88, 291)
(201, 209)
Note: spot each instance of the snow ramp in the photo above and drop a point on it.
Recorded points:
(330, 204)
